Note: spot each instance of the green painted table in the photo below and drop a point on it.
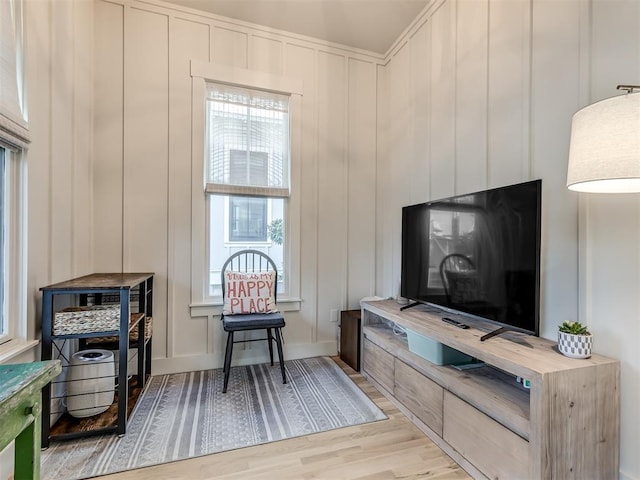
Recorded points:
(20, 408)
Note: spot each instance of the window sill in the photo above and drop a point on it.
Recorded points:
(13, 348)
(214, 307)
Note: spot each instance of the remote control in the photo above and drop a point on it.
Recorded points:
(454, 322)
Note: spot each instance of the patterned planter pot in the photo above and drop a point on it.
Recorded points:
(575, 346)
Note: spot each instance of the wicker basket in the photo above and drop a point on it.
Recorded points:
(78, 320)
(133, 335)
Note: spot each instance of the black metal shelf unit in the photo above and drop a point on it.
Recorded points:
(94, 289)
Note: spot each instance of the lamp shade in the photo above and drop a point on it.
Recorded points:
(604, 153)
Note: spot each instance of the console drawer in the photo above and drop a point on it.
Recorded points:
(420, 395)
(491, 447)
(379, 364)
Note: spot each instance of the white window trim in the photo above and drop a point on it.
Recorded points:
(15, 274)
(201, 72)
(15, 137)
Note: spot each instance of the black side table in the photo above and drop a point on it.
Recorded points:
(98, 285)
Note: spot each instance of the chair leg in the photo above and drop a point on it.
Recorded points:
(269, 340)
(280, 355)
(227, 361)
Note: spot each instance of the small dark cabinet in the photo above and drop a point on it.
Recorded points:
(350, 338)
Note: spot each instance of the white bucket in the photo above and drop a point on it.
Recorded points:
(91, 382)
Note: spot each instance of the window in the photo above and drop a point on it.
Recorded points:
(246, 176)
(247, 219)
(14, 139)
(12, 260)
(248, 215)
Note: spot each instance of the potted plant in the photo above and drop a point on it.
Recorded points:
(574, 340)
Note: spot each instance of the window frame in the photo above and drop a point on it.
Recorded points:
(6, 327)
(14, 140)
(14, 220)
(202, 72)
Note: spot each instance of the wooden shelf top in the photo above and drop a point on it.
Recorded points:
(520, 354)
(101, 281)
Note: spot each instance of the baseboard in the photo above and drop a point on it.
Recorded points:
(191, 363)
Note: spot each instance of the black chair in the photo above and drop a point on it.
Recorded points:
(251, 261)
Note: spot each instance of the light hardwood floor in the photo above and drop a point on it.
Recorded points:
(384, 450)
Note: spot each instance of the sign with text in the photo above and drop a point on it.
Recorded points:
(252, 292)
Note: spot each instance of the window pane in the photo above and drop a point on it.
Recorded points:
(248, 168)
(247, 140)
(238, 223)
(247, 219)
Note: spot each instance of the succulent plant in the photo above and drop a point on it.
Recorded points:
(574, 328)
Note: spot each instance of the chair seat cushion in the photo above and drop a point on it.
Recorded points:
(252, 321)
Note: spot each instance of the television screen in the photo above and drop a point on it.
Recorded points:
(478, 254)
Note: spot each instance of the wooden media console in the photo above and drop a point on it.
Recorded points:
(566, 425)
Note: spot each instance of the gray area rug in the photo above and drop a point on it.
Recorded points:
(186, 415)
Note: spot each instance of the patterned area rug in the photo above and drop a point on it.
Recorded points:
(186, 415)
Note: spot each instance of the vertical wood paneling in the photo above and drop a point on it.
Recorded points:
(199, 277)
(266, 55)
(399, 170)
(62, 176)
(522, 67)
(613, 267)
(471, 95)
(82, 138)
(612, 227)
(146, 157)
(230, 47)
(332, 97)
(187, 40)
(555, 96)
(108, 89)
(384, 257)
(509, 65)
(361, 181)
(615, 47)
(442, 95)
(152, 183)
(419, 177)
(300, 62)
(56, 168)
(39, 158)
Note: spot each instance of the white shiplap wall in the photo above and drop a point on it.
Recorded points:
(59, 74)
(481, 95)
(489, 87)
(143, 168)
(59, 97)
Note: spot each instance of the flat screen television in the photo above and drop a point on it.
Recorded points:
(477, 254)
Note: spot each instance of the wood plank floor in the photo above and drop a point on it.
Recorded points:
(384, 450)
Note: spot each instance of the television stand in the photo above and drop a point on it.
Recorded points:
(482, 417)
